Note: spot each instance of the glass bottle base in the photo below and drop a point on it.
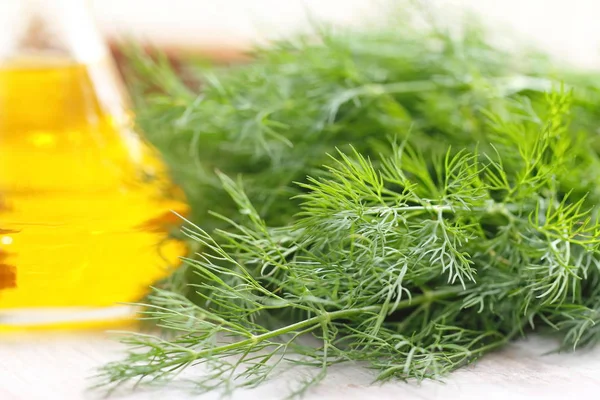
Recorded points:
(64, 317)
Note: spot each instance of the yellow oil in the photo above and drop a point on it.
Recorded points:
(85, 205)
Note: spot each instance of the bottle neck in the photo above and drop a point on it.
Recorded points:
(61, 28)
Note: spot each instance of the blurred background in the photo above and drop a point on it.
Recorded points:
(225, 28)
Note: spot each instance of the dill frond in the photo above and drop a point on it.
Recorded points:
(407, 198)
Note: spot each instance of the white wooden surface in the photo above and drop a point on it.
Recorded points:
(46, 366)
(58, 366)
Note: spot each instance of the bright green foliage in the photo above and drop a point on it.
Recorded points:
(457, 208)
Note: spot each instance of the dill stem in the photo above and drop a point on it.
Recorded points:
(492, 208)
(426, 297)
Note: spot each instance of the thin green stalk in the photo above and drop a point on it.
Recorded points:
(325, 317)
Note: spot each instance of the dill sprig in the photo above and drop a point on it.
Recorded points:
(405, 198)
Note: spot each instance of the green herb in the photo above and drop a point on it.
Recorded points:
(457, 208)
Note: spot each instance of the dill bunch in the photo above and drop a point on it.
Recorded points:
(409, 199)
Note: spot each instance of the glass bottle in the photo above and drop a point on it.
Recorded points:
(85, 203)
